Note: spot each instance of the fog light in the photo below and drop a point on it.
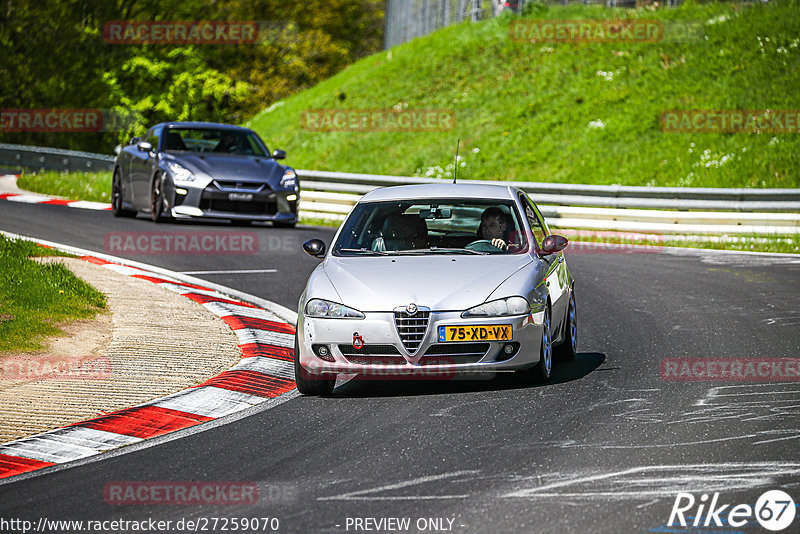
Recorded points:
(181, 191)
(291, 198)
(323, 351)
(508, 348)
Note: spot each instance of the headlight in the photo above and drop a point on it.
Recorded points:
(289, 180)
(180, 174)
(499, 308)
(332, 310)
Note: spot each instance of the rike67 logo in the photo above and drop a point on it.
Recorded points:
(774, 510)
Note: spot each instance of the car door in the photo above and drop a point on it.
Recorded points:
(142, 167)
(556, 278)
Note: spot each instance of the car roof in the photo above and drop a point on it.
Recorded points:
(215, 125)
(444, 190)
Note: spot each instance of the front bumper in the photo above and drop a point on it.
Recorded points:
(213, 203)
(384, 353)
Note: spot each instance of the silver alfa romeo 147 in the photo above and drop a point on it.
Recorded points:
(441, 278)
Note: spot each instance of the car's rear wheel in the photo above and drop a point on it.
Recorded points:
(116, 197)
(309, 384)
(157, 199)
(569, 347)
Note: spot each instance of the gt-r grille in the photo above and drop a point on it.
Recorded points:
(266, 207)
(458, 353)
(411, 328)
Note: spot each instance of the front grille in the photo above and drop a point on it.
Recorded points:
(456, 353)
(369, 350)
(411, 328)
(265, 207)
(244, 187)
(362, 359)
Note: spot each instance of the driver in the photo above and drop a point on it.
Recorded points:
(493, 227)
(227, 143)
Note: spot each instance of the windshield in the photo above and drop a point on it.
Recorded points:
(432, 226)
(239, 142)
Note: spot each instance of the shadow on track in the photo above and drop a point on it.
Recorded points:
(563, 372)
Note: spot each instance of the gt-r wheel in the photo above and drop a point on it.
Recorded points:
(116, 197)
(569, 347)
(157, 199)
(309, 384)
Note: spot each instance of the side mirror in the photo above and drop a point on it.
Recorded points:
(144, 146)
(279, 154)
(552, 244)
(314, 247)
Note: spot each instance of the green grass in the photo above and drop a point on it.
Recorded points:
(94, 186)
(523, 110)
(34, 297)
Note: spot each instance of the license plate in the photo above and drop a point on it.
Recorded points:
(495, 332)
(240, 196)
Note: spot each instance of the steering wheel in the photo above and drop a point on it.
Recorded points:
(483, 245)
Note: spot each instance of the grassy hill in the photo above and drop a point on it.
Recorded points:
(523, 110)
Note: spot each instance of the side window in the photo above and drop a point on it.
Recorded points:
(534, 219)
(153, 136)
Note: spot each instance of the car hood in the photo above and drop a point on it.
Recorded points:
(441, 282)
(229, 166)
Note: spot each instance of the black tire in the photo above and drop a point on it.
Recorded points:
(116, 197)
(309, 384)
(157, 199)
(568, 349)
(541, 371)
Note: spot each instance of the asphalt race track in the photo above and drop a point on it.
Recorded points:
(606, 446)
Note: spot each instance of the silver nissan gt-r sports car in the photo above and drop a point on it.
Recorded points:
(439, 279)
(188, 170)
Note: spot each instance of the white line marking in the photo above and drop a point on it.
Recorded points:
(360, 495)
(269, 366)
(209, 401)
(240, 271)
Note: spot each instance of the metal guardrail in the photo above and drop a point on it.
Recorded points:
(35, 157)
(597, 207)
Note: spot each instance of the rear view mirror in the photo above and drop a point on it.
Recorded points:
(552, 244)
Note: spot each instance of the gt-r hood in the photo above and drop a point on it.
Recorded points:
(441, 282)
(230, 166)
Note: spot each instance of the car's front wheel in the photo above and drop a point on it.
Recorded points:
(157, 199)
(116, 197)
(569, 347)
(541, 371)
(309, 384)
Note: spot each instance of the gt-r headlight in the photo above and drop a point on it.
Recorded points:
(499, 308)
(180, 174)
(331, 310)
(289, 180)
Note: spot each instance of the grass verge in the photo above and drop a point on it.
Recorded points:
(34, 297)
(94, 186)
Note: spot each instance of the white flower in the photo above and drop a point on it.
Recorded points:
(463, 164)
(608, 76)
(476, 150)
(597, 125)
(718, 20)
(782, 50)
(773, 141)
(546, 50)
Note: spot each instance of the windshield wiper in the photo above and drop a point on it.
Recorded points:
(368, 251)
(456, 250)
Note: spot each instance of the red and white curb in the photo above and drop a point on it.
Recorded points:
(35, 198)
(264, 373)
